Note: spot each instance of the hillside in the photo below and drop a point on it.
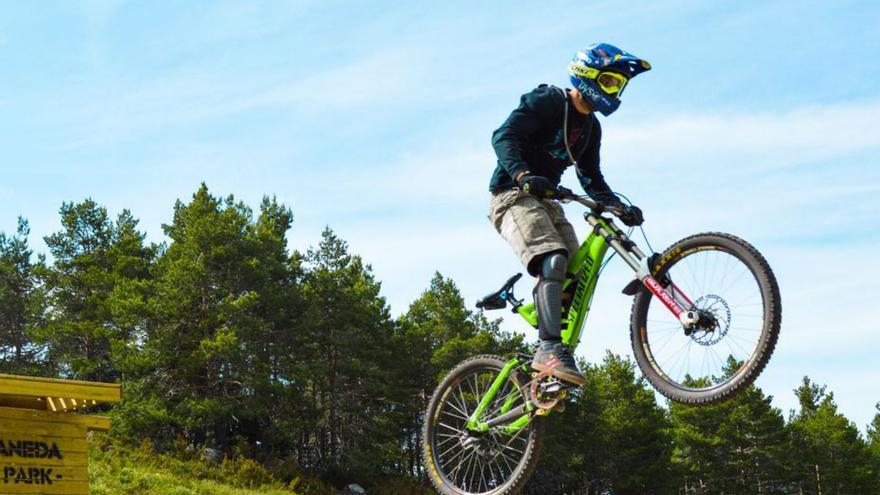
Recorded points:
(116, 470)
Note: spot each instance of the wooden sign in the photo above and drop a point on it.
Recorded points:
(43, 446)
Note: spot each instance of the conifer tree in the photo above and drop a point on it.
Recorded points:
(736, 446)
(100, 271)
(634, 428)
(874, 444)
(217, 328)
(435, 334)
(612, 424)
(349, 348)
(21, 305)
(828, 453)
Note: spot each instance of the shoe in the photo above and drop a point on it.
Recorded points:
(556, 359)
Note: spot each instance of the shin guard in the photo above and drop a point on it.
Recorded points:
(548, 296)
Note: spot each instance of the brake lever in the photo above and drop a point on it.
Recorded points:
(564, 195)
(615, 210)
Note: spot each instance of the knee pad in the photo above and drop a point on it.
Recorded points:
(553, 267)
(548, 296)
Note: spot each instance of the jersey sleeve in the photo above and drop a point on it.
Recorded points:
(538, 109)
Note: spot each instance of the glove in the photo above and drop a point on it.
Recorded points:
(606, 198)
(537, 186)
(632, 216)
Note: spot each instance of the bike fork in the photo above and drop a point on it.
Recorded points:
(671, 296)
(669, 299)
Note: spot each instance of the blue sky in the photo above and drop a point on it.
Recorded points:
(759, 118)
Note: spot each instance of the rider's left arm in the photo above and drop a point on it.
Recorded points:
(588, 171)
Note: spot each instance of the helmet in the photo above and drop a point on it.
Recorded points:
(601, 71)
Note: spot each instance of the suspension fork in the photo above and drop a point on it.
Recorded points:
(672, 297)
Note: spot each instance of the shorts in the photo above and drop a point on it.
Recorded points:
(531, 226)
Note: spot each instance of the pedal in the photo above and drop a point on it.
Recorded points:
(546, 391)
(551, 388)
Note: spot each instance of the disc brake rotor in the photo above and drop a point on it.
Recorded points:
(719, 320)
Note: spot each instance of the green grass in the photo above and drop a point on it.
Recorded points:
(119, 470)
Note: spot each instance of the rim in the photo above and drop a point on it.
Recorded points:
(477, 463)
(727, 294)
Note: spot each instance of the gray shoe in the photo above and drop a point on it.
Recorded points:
(556, 359)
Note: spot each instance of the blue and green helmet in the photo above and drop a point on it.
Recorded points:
(601, 72)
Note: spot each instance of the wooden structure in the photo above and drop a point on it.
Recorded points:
(43, 447)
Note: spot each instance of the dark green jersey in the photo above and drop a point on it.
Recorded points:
(531, 140)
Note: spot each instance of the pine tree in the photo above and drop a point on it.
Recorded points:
(211, 366)
(634, 428)
(874, 444)
(436, 333)
(22, 305)
(349, 348)
(100, 270)
(736, 446)
(612, 438)
(828, 453)
(273, 367)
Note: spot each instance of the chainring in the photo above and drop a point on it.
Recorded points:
(538, 397)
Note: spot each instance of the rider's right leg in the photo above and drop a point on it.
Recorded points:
(552, 356)
(541, 236)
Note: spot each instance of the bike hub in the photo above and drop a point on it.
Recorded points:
(713, 322)
(485, 446)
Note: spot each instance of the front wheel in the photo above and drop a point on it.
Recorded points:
(734, 292)
(462, 462)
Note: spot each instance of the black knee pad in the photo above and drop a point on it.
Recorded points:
(553, 266)
(536, 266)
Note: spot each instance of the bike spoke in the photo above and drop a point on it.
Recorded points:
(721, 285)
(484, 463)
(459, 408)
(461, 455)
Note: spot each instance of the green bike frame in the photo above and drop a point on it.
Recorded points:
(583, 270)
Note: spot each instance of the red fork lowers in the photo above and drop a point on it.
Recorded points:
(668, 300)
(676, 290)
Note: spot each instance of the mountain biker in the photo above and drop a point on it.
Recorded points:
(552, 129)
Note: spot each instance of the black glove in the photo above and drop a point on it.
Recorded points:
(606, 198)
(537, 186)
(632, 216)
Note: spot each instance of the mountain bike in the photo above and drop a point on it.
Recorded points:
(704, 321)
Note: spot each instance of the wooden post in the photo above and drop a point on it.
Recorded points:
(43, 447)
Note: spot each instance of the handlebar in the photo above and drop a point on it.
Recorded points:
(565, 194)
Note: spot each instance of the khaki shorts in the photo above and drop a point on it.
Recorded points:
(530, 225)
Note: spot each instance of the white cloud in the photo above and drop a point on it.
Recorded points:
(747, 142)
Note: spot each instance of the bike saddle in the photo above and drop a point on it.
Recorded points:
(499, 298)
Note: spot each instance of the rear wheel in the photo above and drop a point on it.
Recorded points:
(461, 462)
(734, 292)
